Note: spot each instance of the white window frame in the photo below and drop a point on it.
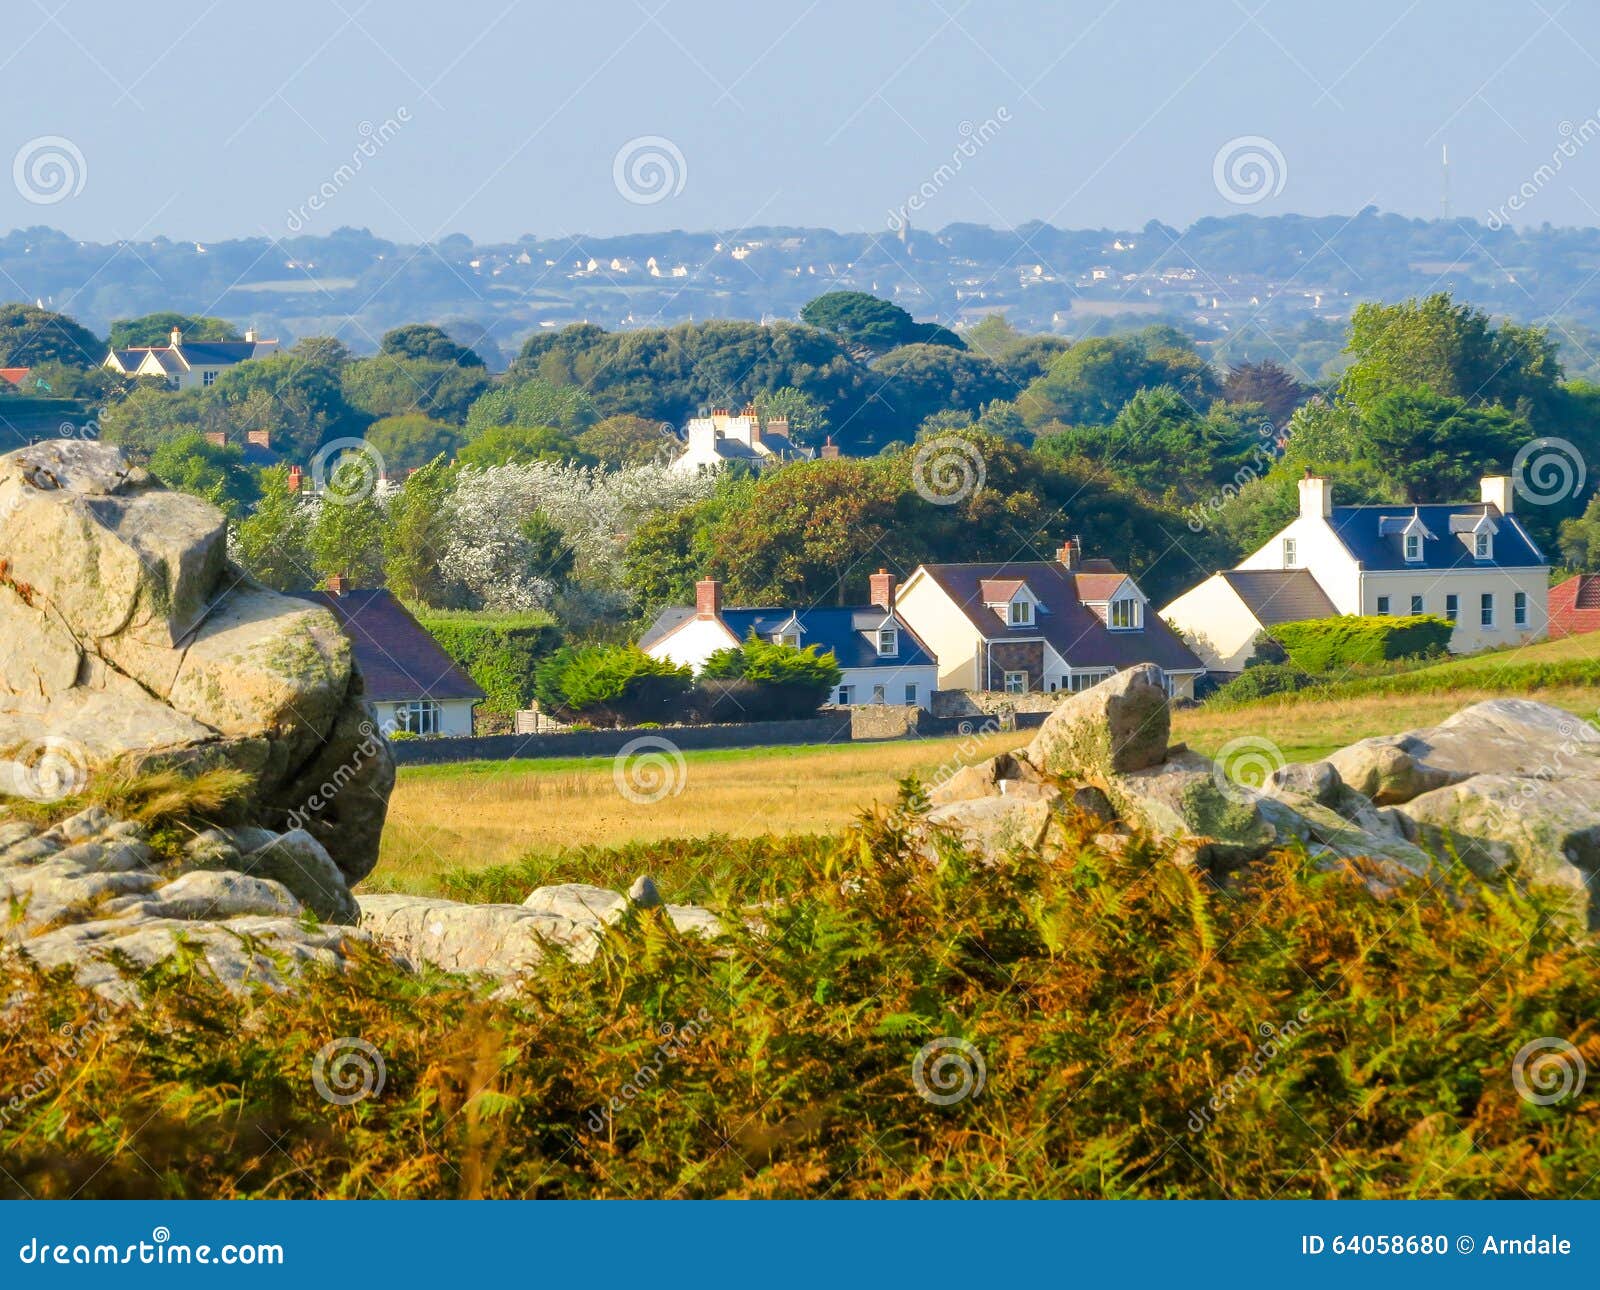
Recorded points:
(880, 694)
(911, 693)
(1015, 682)
(1019, 612)
(1486, 610)
(846, 696)
(1413, 548)
(1417, 605)
(792, 639)
(208, 378)
(1519, 608)
(419, 717)
(1131, 604)
(888, 642)
(1452, 608)
(1383, 607)
(1291, 553)
(1483, 546)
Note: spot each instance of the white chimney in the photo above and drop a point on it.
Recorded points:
(1316, 497)
(176, 338)
(1496, 490)
(250, 336)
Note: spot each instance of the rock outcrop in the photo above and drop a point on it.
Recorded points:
(127, 638)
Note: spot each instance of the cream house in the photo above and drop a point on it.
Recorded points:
(1472, 563)
(189, 365)
(714, 440)
(1035, 625)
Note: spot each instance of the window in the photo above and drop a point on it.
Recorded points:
(1383, 604)
(1085, 680)
(888, 640)
(1416, 604)
(911, 692)
(1125, 613)
(1452, 607)
(847, 695)
(1519, 609)
(419, 718)
(1413, 546)
(208, 378)
(1486, 609)
(1482, 546)
(1016, 682)
(791, 639)
(1290, 553)
(1021, 613)
(879, 694)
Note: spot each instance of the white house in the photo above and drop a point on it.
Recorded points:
(1472, 563)
(1041, 625)
(721, 437)
(189, 364)
(881, 659)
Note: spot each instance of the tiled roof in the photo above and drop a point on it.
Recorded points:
(1280, 595)
(399, 660)
(1073, 630)
(1098, 586)
(1362, 530)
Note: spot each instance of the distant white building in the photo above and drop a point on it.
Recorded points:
(714, 440)
(189, 364)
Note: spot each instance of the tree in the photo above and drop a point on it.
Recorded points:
(1580, 539)
(193, 464)
(861, 319)
(156, 329)
(628, 441)
(920, 380)
(392, 386)
(1434, 446)
(301, 404)
(610, 683)
(272, 543)
(321, 351)
(1089, 383)
(808, 422)
(760, 680)
(409, 441)
(415, 536)
(518, 445)
(427, 342)
(153, 414)
(30, 336)
(346, 536)
(1267, 383)
(532, 402)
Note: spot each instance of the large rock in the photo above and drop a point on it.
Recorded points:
(129, 640)
(1185, 799)
(1118, 726)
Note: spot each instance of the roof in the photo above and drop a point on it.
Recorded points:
(840, 630)
(1280, 595)
(1073, 630)
(399, 660)
(1581, 591)
(1095, 587)
(1364, 531)
(220, 353)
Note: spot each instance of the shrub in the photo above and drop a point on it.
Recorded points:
(1334, 644)
(763, 681)
(499, 651)
(1259, 682)
(610, 684)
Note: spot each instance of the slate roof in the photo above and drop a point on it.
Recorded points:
(839, 630)
(1280, 595)
(221, 353)
(1073, 630)
(399, 660)
(1362, 530)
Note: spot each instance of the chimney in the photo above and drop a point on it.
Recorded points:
(1070, 556)
(708, 598)
(829, 450)
(295, 475)
(217, 438)
(1496, 490)
(1316, 497)
(176, 338)
(250, 335)
(882, 585)
(259, 438)
(335, 584)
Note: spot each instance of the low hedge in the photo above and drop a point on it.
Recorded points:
(1262, 681)
(499, 651)
(1331, 644)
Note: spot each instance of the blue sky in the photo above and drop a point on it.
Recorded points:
(210, 120)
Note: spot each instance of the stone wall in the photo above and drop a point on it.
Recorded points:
(991, 703)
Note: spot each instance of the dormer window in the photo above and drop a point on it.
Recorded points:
(1482, 546)
(1124, 614)
(1413, 547)
(792, 639)
(1020, 613)
(888, 642)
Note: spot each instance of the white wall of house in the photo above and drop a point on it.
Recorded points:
(1470, 586)
(1318, 548)
(693, 643)
(453, 717)
(861, 684)
(1217, 625)
(941, 625)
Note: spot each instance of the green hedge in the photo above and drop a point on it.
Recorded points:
(611, 685)
(1260, 682)
(1329, 644)
(499, 651)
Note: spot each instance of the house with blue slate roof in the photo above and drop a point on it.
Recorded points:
(881, 659)
(1472, 563)
(188, 365)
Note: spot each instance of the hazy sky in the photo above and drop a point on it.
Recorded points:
(495, 119)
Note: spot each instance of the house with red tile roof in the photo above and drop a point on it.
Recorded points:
(1040, 625)
(1575, 606)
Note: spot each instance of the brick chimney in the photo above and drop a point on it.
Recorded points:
(708, 598)
(883, 585)
(336, 584)
(296, 475)
(259, 438)
(829, 449)
(1070, 556)
(217, 438)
